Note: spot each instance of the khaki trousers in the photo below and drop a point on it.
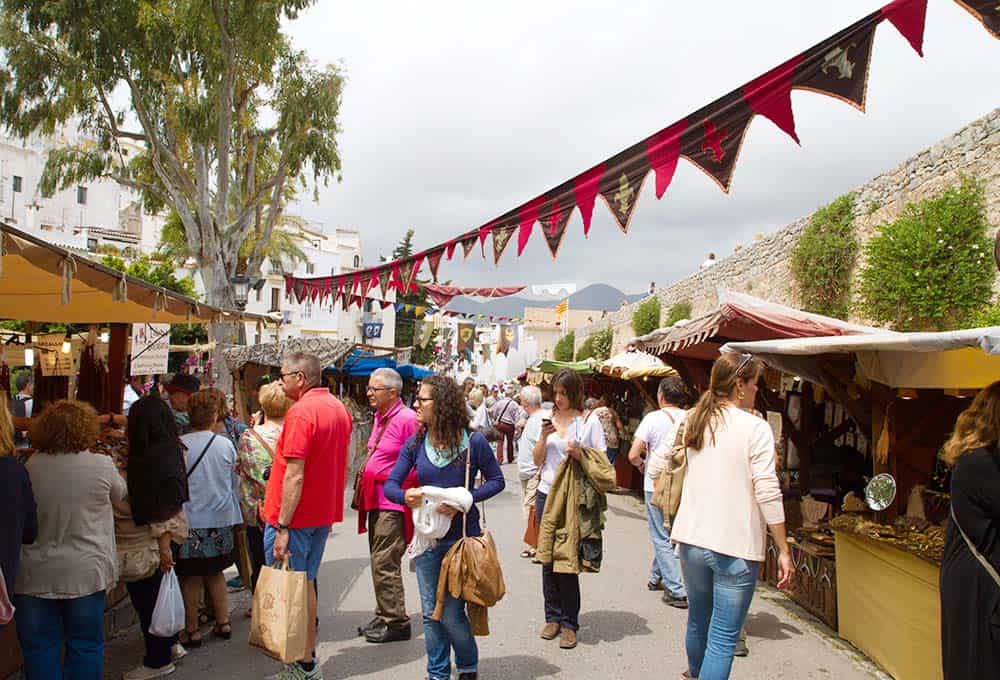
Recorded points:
(387, 543)
(529, 487)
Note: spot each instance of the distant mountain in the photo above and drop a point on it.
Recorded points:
(596, 296)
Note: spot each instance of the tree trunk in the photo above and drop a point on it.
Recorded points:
(219, 293)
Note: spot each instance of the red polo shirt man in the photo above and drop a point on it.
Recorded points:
(305, 492)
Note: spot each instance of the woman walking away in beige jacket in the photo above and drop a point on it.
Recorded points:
(731, 495)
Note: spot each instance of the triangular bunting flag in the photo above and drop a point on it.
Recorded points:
(449, 250)
(527, 216)
(585, 188)
(838, 67)
(771, 96)
(501, 237)
(434, 260)
(554, 219)
(714, 144)
(987, 11)
(356, 283)
(468, 244)
(289, 284)
(663, 150)
(372, 283)
(415, 265)
(419, 310)
(385, 304)
(909, 18)
(405, 274)
(622, 182)
(383, 280)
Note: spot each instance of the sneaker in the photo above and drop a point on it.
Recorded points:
(655, 586)
(676, 602)
(177, 652)
(293, 671)
(741, 649)
(145, 673)
(235, 583)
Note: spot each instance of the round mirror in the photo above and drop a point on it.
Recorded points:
(880, 492)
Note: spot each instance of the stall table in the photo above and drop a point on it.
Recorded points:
(889, 606)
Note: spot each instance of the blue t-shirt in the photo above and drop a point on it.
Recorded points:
(413, 455)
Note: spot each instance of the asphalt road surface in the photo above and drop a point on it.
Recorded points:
(626, 631)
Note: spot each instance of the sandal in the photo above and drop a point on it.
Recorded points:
(188, 640)
(222, 630)
(205, 616)
(526, 553)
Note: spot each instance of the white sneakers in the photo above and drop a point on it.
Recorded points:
(177, 652)
(145, 673)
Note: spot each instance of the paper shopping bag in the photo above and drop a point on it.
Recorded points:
(280, 617)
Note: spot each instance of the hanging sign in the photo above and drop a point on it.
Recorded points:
(150, 347)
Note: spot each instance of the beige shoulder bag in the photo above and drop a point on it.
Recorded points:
(670, 483)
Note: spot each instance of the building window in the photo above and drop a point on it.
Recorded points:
(310, 268)
(357, 261)
(17, 184)
(307, 310)
(91, 244)
(260, 294)
(275, 300)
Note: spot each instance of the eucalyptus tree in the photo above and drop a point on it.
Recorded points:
(204, 107)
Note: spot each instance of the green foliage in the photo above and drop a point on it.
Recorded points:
(205, 108)
(158, 273)
(586, 349)
(931, 269)
(677, 311)
(563, 350)
(824, 258)
(646, 317)
(596, 346)
(990, 316)
(406, 321)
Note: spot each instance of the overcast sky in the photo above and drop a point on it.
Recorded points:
(455, 112)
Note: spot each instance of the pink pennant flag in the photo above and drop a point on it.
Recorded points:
(585, 187)
(771, 96)
(909, 18)
(663, 151)
(528, 215)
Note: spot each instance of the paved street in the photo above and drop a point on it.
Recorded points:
(625, 630)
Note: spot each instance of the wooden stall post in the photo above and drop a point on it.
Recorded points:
(117, 350)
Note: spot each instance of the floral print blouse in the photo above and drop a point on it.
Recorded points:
(607, 420)
(252, 458)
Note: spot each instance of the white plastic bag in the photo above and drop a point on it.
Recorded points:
(168, 614)
(6, 607)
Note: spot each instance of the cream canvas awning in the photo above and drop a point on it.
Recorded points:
(964, 359)
(46, 283)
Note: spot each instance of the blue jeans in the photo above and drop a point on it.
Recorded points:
(453, 631)
(612, 454)
(45, 626)
(665, 566)
(719, 588)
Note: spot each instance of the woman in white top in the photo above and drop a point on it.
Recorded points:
(477, 403)
(564, 434)
(731, 495)
(65, 572)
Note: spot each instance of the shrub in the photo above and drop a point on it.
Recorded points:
(586, 349)
(932, 268)
(680, 310)
(563, 350)
(596, 346)
(824, 258)
(646, 317)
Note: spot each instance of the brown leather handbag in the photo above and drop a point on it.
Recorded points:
(670, 484)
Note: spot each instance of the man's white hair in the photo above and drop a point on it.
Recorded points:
(389, 378)
(531, 395)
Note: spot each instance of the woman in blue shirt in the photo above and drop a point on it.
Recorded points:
(438, 452)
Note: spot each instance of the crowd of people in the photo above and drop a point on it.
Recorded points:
(193, 481)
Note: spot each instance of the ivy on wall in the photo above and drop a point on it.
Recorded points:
(646, 317)
(931, 269)
(596, 346)
(824, 257)
(563, 351)
(677, 311)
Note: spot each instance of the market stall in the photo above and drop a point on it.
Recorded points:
(42, 283)
(910, 388)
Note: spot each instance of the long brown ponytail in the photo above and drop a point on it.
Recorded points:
(977, 426)
(726, 370)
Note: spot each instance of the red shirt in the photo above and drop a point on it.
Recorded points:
(317, 429)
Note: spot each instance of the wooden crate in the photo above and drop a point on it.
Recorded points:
(815, 585)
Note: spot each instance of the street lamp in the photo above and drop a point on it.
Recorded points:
(241, 290)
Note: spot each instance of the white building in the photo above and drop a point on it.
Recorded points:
(328, 253)
(85, 217)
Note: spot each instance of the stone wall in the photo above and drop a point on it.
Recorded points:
(762, 268)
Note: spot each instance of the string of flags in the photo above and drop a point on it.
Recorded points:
(710, 138)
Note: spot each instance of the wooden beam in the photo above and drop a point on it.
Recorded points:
(858, 407)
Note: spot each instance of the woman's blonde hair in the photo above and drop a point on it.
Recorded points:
(273, 400)
(6, 430)
(976, 427)
(67, 426)
(476, 397)
(726, 370)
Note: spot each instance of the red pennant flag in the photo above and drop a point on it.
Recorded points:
(663, 150)
(383, 280)
(386, 304)
(585, 192)
(397, 281)
(434, 260)
(367, 283)
(986, 11)
(335, 285)
(356, 282)
(313, 292)
(622, 183)
(412, 269)
(838, 67)
(714, 145)
(771, 96)
(909, 18)
(501, 237)
(554, 220)
(327, 284)
(289, 284)
(528, 215)
(449, 249)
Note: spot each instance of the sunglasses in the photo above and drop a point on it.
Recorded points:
(747, 358)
